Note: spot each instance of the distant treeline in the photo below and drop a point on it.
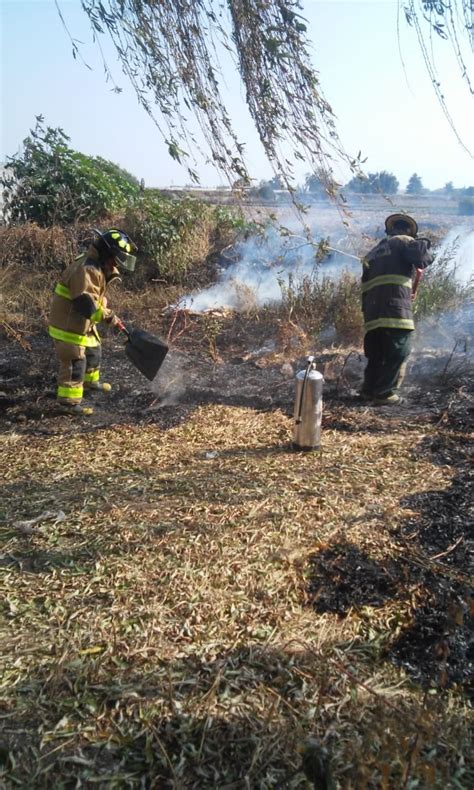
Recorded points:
(48, 182)
(380, 183)
(383, 183)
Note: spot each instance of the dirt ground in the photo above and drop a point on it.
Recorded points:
(232, 548)
(185, 598)
(246, 366)
(246, 369)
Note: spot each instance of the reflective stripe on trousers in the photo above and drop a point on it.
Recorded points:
(70, 393)
(389, 323)
(92, 375)
(72, 367)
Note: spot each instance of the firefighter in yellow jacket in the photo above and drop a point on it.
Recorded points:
(79, 304)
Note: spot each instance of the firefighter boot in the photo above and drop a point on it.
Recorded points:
(75, 409)
(97, 386)
(390, 400)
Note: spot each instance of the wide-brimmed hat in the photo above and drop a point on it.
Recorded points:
(393, 218)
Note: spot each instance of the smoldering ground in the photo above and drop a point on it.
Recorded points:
(252, 355)
(255, 273)
(255, 270)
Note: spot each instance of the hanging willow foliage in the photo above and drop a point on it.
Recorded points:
(453, 22)
(169, 49)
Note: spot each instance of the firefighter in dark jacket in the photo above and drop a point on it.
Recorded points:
(79, 304)
(389, 270)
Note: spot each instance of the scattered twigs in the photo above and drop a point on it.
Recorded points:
(340, 666)
(16, 335)
(414, 746)
(28, 527)
(340, 377)
(445, 369)
(453, 400)
(448, 551)
(177, 314)
(430, 564)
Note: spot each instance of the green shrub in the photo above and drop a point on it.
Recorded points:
(176, 237)
(440, 290)
(50, 183)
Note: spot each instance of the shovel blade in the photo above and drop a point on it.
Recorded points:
(146, 352)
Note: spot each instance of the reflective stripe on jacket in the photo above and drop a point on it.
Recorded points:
(96, 317)
(387, 275)
(83, 278)
(91, 340)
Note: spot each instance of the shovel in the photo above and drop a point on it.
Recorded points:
(144, 350)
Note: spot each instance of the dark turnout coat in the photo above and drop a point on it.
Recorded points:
(387, 278)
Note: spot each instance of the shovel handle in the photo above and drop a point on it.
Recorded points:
(122, 327)
(416, 282)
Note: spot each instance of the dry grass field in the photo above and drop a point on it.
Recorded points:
(189, 603)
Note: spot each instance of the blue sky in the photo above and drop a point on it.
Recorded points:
(393, 117)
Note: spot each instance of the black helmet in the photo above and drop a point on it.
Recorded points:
(115, 243)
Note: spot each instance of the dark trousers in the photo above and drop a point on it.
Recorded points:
(386, 351)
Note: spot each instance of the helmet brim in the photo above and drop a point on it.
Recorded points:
(393, 218)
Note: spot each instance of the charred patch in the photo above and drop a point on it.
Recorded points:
(437, 648)
(446, 524)
(342, 577)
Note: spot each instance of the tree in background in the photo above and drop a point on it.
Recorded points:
(466, 205)
(466, 201)
(414, 186)
(276, 182)
(382, 183)
(314, 185)
(448, 188)
(265, 190)
(48, 182)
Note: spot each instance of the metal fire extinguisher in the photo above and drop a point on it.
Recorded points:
(308, 408)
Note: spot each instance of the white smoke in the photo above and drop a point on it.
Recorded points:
(256, 269)
(169, 383)
(459, 243)
(260, 266)
(452, 330)
(237, 282)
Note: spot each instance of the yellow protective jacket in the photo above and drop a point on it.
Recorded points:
(79, 301)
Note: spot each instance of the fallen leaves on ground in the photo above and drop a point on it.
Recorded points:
(211, 599)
